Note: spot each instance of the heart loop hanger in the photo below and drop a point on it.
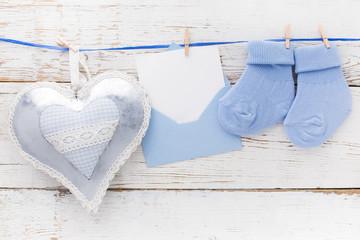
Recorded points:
(77, 59)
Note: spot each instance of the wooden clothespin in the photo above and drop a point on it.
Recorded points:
(62, 42)
(187, 41)
(324, 37)
(287, 36)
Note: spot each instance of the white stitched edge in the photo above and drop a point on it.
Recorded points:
(93, 205)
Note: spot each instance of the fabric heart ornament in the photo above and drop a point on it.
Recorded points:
(81, 137)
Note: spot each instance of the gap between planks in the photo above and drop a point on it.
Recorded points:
(337, 191)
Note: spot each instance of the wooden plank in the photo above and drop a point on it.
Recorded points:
(129, 23)
(267, 160)
(37, 214)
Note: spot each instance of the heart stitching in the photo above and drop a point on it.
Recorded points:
(81, 136)
(93, 204)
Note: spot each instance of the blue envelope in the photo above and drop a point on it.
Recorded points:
(167, 141)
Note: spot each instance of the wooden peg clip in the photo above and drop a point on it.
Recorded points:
(62, 42)
(324, 37)
(187, 41)
(287, 36)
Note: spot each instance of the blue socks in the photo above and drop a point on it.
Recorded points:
(264, 93)
(323, 99)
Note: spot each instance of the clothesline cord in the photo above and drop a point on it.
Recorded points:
(198, 44)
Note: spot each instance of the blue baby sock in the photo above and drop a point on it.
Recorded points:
(264, 93)
(323, 99)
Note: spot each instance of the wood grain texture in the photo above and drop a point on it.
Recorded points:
(176, 201)
(267, 160)
(203, 215)
(131, 23)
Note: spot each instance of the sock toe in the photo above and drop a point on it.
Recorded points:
(310, 133)
(237, 119)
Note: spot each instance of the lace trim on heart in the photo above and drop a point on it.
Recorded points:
(94, 204)
(83, 136)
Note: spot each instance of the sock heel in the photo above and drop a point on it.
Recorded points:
(237, 119)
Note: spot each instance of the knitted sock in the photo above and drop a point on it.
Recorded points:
(323, 99)
(264, 93)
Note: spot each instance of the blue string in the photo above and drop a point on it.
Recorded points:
(198, 44)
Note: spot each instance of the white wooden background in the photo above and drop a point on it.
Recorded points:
(269, 190)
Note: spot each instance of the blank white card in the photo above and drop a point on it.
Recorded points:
(180, 86)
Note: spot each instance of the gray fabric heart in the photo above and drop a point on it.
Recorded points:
(35, 104)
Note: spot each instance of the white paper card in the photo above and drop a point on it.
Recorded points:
(180, 86)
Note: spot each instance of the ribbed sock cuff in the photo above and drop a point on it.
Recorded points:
(316, 57)
(267, 52)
